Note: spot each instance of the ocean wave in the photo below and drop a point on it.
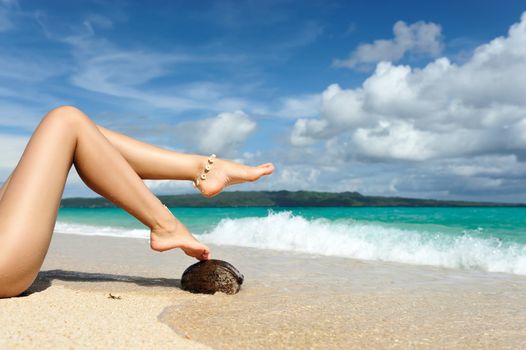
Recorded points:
(348, 238)
(95, 230)
(367, 241)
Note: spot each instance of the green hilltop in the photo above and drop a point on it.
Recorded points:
(287, 199)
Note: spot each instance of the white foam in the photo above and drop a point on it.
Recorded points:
(284, 231)
(352, 239)
(92, 230)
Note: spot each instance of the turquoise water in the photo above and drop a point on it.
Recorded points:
(490, 239)
(508, 224)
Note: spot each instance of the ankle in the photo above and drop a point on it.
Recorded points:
(206, 165)
(199, 164)
(165, 224)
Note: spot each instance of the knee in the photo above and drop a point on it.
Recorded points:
(65, 115)
(65, 110)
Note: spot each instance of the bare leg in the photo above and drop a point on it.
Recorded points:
(30, 201)
(152, 162)
(4, 186)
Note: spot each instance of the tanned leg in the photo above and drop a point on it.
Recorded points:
(4, 186)
(152, 162)
(30, 202)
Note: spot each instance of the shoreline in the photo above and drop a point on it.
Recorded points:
(288, 300)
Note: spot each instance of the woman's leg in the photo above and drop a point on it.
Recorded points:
(4, 186)
(31, 199)
(152, 162)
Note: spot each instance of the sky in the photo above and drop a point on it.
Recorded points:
(422, 99)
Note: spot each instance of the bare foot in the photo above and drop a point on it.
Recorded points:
(224, 173)
(178, 237)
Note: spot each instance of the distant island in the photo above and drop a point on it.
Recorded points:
(287, 199)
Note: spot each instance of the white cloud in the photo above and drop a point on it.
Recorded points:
(501, 166)
(442, 110)
(98, 21)
(306, 35)
(122, 73)
(300, 106)
(168, 186)
(101, 66)
(28, 69)
(12, 148)
(418, 38)
(446, 130)
(294, 178)
(19, 115)
(223, 134)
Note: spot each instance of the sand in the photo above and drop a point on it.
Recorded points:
(287, 301)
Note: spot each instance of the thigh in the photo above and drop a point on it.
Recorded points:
(4, 187)
(30, 202)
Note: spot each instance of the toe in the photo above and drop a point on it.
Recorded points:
(205, 255)
(266, 168)
(256, 172)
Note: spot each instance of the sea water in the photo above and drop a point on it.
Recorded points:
(488, 239)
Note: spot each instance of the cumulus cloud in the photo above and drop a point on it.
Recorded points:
(486, 177)
(419, 38)
(444, 130)
(222, 134)
(442, 110)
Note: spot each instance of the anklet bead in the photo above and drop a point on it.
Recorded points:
(208, 167)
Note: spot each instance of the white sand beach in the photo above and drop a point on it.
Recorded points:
(287, 301)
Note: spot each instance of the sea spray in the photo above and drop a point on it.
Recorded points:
(488, 239)
(96, 230)
(287, 232)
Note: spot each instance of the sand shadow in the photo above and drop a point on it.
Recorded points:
(45, 279)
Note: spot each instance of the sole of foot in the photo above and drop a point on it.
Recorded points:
(181, 238)
(226, 173)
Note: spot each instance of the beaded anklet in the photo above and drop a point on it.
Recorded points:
(208, 167)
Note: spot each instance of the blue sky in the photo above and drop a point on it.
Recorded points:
(405, 98)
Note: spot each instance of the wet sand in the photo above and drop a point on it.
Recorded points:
(287, 301)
